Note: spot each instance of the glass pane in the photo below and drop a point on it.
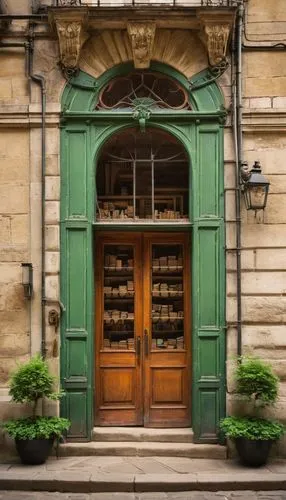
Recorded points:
(142, 177)
(144, 204)
(167, 297)
(119, 295)
(115, 191)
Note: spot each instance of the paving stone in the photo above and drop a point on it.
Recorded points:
(194, 495)
(274, 495)
(76, 496)
(243, 495)
(4, 467)
(102, 482)
(165, 482)
(122, 468)
(111, 496)
(151, 496)
(187, 465)
(278, 467)
(150, 465)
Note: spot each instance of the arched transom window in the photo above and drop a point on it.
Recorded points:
(143, 87)
(142, 177)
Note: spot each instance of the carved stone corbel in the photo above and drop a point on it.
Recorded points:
(141, 36)
(215, 31)
(71, 34)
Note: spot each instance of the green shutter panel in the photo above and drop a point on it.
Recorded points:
(76, 282)
(208, 287)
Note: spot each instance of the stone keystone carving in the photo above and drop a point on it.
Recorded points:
(142, 36)
(217, 38)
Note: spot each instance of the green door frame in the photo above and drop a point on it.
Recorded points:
(84, 131)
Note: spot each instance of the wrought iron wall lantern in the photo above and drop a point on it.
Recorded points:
(27, 279)
(255, 187)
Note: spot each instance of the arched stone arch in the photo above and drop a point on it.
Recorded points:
(84, 130)
(180, 49)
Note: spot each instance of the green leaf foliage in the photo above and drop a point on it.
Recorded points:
(255, 380)
(252, 428)
(36, 428)
(32, 381)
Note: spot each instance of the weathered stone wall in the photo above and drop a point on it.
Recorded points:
(263, 236)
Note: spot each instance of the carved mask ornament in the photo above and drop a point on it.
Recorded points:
(142, 40)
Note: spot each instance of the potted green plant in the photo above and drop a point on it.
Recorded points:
(254, 435)
(34, 435)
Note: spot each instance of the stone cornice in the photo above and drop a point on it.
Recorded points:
(264, 120)
(73, 26)
(28, 116)
(255, 120)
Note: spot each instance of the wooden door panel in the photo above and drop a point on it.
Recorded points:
(161, 311)
(167, 325)
(118, 386)
(167, 386)
(118, 326)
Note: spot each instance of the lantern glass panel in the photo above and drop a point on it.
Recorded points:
(257, 197)
(26, 274)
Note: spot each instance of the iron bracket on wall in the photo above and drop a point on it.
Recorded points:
(214, 72)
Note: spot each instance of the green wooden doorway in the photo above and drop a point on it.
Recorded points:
(85, 129)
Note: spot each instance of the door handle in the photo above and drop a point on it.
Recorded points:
(146, 343)
(138, 348)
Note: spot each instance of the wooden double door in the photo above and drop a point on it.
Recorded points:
(142, 332)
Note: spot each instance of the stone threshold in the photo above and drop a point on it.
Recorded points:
(82, 482)
(143, 449)
(172, 435)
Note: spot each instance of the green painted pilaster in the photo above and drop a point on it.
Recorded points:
(77, 280)
(208, 286)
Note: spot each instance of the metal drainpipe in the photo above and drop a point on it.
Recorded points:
(40, 80)
(238, 136)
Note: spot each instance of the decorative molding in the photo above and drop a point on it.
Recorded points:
(141, 36)
(71, 31)
(215, 31)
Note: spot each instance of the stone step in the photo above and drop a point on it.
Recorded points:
(143, 449)
(114, 434)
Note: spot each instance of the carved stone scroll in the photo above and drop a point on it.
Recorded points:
(217, 38)
(141, 36)
(70, 36)
(215, 35)
(70, 27)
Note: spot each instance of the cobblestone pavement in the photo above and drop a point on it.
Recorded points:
(195, 495)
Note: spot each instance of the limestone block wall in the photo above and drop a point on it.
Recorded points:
(20, 206)
(15, 328)
(264, 236)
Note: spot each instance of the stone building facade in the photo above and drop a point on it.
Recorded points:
(52, 51)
